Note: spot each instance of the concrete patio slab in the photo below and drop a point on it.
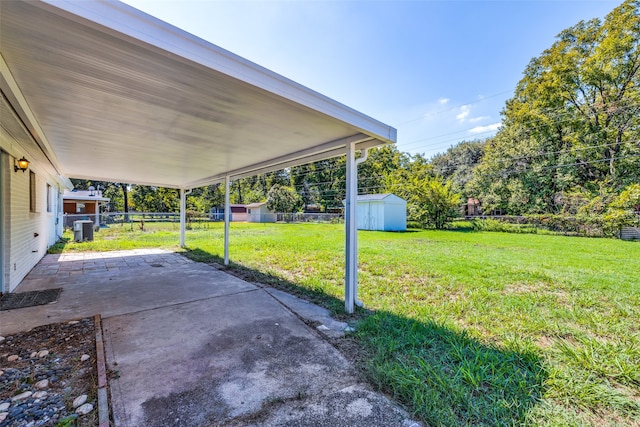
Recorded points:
(189, 345)
(149, 278)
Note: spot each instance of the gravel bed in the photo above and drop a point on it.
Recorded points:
(48, 376)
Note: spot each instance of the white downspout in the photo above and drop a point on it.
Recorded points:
(183, 215)
(227, 218)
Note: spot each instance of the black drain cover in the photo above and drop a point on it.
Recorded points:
(29, 299)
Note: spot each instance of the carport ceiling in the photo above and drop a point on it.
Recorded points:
(112, 93)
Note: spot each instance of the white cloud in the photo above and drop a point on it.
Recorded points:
(464, 112)
(488, 128)
(443, 101)
(478, 119)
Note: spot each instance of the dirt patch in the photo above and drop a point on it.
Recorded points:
(42, 372)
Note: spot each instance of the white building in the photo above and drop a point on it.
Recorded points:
(382, 212)
(30, 201)
(258, 212)
(82, 204)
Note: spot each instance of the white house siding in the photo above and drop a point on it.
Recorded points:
(4, 220)
(30, 233)
(26, 235)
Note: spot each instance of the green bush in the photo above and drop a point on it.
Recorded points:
(608, 225)
(503, 226)
(415, 224)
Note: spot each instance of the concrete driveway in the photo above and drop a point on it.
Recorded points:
(189, 345)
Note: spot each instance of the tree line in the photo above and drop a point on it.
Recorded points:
(569, 145)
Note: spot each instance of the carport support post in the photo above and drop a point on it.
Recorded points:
(183, 216)
(227, 218)
(351, 261)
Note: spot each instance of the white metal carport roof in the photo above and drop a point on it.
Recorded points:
(151, 104)
(108, 92)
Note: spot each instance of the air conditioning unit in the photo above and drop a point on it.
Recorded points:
(83, 231)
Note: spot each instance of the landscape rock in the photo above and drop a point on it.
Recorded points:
(13, 358)
(21, 396)
(56, 367)
(2, 338)
(85, 357)
(79, 401)
(84, 409)
(42, 384)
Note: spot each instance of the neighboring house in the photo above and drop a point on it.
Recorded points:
(83, 204)
(382, 212)
(313, 208)
(472, 207)
(258, 212)
(30, 201)
(238, 213)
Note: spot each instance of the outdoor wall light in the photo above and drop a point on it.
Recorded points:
(22, 165)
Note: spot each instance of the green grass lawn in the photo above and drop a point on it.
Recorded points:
(464, 328)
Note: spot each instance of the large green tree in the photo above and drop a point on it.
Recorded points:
(573, 123)
(458, 164)
(431, 200)
(283, 199)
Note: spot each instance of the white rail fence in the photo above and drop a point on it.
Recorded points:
(112, 218)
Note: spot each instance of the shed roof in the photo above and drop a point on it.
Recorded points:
(111, 93)
(84, 195)
(371, 197)
(255, 205)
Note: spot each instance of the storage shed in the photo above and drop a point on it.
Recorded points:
(258, 212)
(382, 212)
(82, 204)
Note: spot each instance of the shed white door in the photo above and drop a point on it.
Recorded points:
(370, 216)
(373, 216)
(362, 211)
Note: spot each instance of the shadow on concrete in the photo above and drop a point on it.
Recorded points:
(443, 376)
(334, 305)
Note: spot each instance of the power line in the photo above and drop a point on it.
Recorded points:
(452, 108)
(570, 116)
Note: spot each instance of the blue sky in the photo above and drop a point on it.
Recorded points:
(438, 71)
